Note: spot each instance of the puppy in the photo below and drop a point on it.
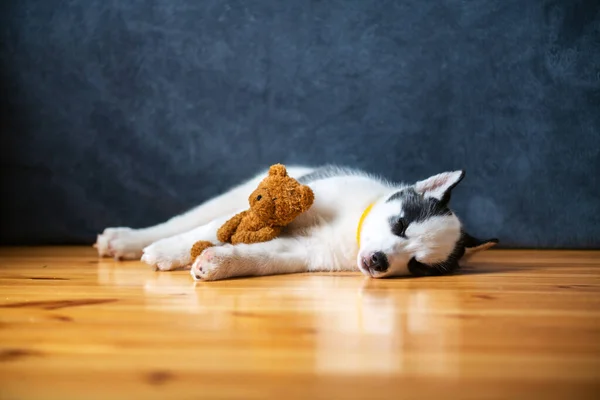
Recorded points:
(357, 222)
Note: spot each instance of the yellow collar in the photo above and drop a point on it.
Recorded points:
(360, 222)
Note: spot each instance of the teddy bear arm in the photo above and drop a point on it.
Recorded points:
(268, 233)
(227, 230)
(262, 235)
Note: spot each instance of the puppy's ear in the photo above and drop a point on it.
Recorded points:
(474, 245)
(278, 170)
(440, 186)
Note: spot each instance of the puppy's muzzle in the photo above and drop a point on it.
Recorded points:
(377, 262)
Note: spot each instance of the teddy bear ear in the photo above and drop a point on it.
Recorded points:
(308, 197)
(277, 170)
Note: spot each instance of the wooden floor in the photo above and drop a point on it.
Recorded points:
(513, 324)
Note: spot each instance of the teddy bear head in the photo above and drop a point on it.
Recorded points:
(279, 198)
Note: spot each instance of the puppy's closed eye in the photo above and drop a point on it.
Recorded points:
(399, 226)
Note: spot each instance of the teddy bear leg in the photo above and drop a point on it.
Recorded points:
(199, 247)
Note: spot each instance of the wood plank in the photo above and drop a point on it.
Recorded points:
(513, 324)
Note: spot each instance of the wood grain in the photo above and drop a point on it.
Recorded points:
(512, 324)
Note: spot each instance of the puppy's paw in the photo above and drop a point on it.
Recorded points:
(213, 264)
(168, 254)
(120, 243)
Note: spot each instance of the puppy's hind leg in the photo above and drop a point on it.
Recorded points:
(128, 243)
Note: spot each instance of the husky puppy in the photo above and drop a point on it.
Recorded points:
(357, 221)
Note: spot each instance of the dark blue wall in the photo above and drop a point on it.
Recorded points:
(125, 113)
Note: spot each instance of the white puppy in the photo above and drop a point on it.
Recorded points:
(357, 221)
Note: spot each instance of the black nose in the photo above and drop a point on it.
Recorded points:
(378, 262)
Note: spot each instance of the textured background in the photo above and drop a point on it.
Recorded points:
(127, 112)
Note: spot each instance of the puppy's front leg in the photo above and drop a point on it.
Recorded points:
(278, 256)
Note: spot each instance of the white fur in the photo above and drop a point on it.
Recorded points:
(322, 239)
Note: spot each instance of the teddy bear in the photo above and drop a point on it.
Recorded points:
(275, 203)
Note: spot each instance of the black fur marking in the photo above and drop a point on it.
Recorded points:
(416, 208)
(400, 194)
(328, 171)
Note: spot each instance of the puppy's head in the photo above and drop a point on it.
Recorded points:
(413, 231)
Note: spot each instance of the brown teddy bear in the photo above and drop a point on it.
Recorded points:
(275, 203)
